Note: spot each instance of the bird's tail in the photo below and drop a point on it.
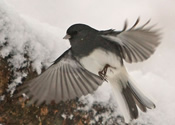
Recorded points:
(129, 96)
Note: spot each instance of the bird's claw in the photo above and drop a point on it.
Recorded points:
(102, 75)
(103, 72)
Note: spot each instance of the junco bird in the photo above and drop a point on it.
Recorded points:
(94, 57)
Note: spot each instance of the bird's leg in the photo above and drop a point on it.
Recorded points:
(103, 72)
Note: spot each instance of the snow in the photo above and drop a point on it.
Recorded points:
(64, 116)
(67, 116)
(38, 31)
(28, 36)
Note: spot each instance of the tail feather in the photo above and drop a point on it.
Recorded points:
(131, 102)
(140, 97)
(129, 97)
(140, 105)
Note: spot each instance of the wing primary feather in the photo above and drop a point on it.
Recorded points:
(64, 86)
(34, 89)
(137, 49)
(61, 83)
(74, 83)
(39, 94)
(141, 45)
(138, 56)
(85, 80)
(125, 56)
(134, 51)
(91, 80)
(81, 83)
(98, 80)
(141, 27)
(58, 95)
(137, 21)
(152, 39)
(51, 92)
(72, 92)
(56, 85)
(143, 50)
(123, 52)
(127, 53)
(125, 25)
(150, 28)
(133, 57)
(37, 84)
(43, 93)
(55, 80)
(67, 83)
(77, 82)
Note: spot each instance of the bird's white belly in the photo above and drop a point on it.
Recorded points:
(96, 61)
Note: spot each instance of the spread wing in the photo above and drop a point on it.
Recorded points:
(135, 44)
(65, 79)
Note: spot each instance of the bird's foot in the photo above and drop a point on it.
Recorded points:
(103, 72)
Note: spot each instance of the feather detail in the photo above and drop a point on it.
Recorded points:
(65, 79)
(137, 44)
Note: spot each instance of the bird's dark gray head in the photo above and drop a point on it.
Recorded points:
(80, 37)
(77, 30)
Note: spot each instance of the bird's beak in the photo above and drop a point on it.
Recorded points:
(67, 36)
